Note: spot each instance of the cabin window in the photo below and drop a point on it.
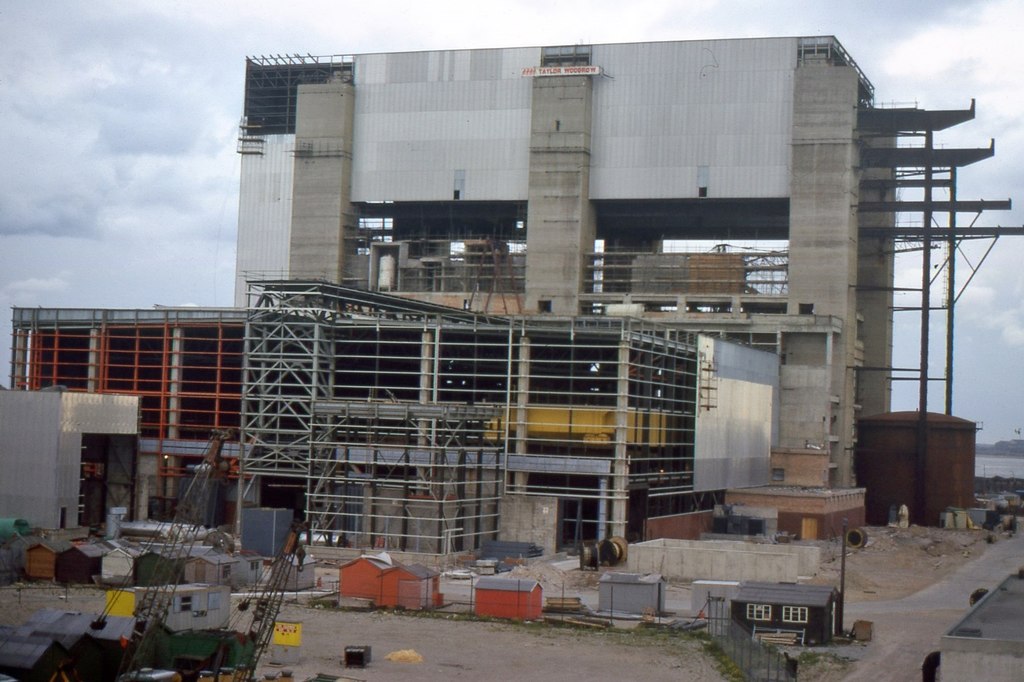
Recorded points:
(184, 604)
(759, 611)
(794, 614)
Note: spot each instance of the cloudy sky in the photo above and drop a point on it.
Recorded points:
(118, 121)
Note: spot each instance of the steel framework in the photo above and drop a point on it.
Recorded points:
(406, 422)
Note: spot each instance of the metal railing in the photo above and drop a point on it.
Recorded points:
(756, 660)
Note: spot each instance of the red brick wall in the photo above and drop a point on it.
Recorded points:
(679, 526)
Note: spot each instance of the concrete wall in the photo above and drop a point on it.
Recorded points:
(823, 254)
(322, 215)
(723, 560)
(973, 659)
(560, 220)
(530, 519)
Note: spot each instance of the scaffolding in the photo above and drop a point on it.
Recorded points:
(404, 424)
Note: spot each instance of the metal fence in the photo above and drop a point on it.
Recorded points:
(757, 661)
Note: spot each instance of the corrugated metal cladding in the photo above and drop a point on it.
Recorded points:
(29, 440)
(736, 416)
(421, 117)
(664, 110)
(667, 116)
(95, 413)
(265, 208)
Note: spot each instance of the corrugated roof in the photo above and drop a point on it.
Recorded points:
(216, 558)
(506, 584)
(789, 594)
(63, 624)
(420, 571)
(91, 550)
(55, 546)
(22, 652)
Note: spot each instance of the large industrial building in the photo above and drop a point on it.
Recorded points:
(570, 288)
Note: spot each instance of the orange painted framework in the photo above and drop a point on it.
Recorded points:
(187, 375)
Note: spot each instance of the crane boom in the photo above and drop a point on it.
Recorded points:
(266, 605)
(155, 603)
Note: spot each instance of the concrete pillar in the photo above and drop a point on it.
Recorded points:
(322, 243)
(620, 463)
(876, 258)
(824, 246)
(560, 222)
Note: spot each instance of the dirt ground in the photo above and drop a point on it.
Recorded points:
(896, 562)
(893, 564)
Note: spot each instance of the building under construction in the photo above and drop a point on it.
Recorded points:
(404, 425)
(490, 290)
(747, 188)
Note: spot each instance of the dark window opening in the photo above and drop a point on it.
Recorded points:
(566, 55)
(806, 308)
(544, 306)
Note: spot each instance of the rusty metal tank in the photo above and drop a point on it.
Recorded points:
(888, 466)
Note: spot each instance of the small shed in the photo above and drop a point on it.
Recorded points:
(41, 560)
(302, 575)
(389, 583)
(31, 658)
(18, 546)
(249, 569)
(807, 612)
(213, 568)
(154, 565)
(518, 599)
(97, 651)
(8, 572)
(632, 593)
(79, 564)
(118, 565)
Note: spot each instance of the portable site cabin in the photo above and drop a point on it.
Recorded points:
(632, 593)
(508, 598)
(389, 583)
(41, 560)
(79, 564)
(199, 607)
(808, 612)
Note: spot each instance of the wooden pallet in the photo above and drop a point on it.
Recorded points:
(563, 604)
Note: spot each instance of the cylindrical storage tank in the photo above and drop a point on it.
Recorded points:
(888, 468)
(115, 516)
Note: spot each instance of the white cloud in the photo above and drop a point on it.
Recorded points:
(120, 119)
(33, 287)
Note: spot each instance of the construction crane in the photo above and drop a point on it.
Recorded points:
(264, 607)
(155, 603)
